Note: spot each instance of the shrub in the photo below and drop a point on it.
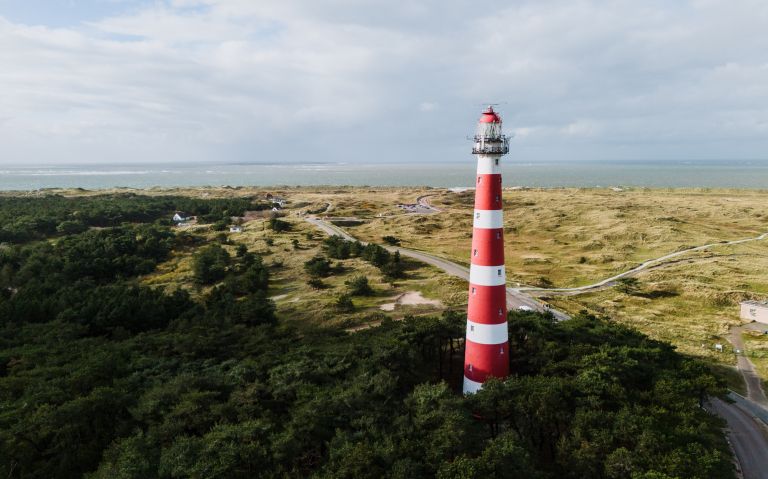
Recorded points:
(344, 304)
(392, 240)
(358, 286)
(318, 267)
(278, 225)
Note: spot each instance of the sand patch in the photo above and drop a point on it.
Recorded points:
(411, 298)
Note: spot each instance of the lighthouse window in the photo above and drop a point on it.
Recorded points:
(498, 235)
(471, 328)
(497, 198)
(500, 313)
(473, 290)
(496, 161)
(501, 350)
(477, 215)
(475, 253)
(479, 179)
(469, 367)
(499, 272)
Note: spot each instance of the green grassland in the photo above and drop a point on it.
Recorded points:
(296, 300)
(558, 237)
(574, 237)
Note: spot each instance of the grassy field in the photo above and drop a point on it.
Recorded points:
(300, 303)
(690, 302)
(554, 237)
(572, 237)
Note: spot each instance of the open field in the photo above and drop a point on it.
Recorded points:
(554, 237)
(296, 300)
(691, 302)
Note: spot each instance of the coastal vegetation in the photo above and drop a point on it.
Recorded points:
(135, 349)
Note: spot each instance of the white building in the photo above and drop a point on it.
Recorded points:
(181, 216)
(755, 311)
(235, 229)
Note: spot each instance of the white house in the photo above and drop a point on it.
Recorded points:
(235, 229)
(755, 311)
(181, 216)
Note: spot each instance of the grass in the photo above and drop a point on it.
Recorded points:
(732, 377)
(690, 303)
(299, 303)
(756, 349)
(564, 237)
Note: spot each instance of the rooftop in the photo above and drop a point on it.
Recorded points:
(756, 303)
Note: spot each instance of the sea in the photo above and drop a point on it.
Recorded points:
(752, 174)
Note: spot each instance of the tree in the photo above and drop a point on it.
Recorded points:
(210, 264)
(344, 303)
(278, 226)
(358, 286)
(391, 240)
(71, 227)
(318, 267)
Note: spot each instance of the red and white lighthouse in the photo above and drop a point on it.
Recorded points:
(487, 344)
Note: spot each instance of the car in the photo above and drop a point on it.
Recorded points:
(523, 307)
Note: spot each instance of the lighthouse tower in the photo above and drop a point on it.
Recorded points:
(487, 344)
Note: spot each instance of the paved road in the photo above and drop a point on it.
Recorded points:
(747, 438)
(423, 201)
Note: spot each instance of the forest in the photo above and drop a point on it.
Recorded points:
(102, 376)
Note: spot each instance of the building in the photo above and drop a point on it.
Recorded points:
(755, 311)
(487, 341)
(235, 229)
(181, 216)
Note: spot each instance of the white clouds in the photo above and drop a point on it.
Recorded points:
(190, 77)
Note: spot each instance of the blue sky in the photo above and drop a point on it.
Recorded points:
(87, 81)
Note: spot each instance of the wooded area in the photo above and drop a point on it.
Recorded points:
(104, 377)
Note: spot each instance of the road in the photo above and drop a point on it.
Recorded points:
(423, 201)
(747, 438)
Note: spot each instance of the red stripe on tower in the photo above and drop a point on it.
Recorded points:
(487, 346)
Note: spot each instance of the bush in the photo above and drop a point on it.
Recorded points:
(318, 267)
(344, 304)
(628, 286)
(392, 240)
(278, 225)
(316, 283)
(71, 227)
(358, 286)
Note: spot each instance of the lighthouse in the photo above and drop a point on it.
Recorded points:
(487, 341)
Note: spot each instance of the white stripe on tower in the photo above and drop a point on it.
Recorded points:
(488, 219)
